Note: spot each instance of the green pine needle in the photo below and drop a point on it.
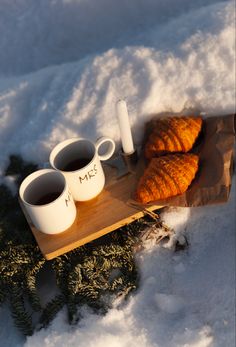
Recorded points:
(51, 309)
(92, 275)
(20, 316)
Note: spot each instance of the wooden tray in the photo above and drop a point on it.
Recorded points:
(95, 218)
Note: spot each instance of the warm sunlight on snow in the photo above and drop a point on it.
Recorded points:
(63, 66)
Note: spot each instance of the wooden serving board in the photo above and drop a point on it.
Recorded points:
(95, 218)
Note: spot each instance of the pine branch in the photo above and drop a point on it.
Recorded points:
(3, 293)
(32, 293)
(72, 309)
(21, 317)
(30, 284)
(90, 275)
(51, 309)
(75, 280)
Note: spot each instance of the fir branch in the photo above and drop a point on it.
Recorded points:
(51, 309)
(72, 309)
(21, 317)
(3, 293)
(91, 275)
(16, 260)
(32, 293)
(75, 280)
(30, 284)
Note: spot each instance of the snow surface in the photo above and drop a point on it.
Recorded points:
(63, 65)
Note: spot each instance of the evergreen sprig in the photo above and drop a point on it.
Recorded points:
(51, 309)
(21, 317)
(31, 285)
(91, 275)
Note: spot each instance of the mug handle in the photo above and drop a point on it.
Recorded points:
(110, 150)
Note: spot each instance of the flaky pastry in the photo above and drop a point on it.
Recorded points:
(172, 134)
(166, 176)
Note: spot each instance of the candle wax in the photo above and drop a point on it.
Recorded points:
(125, 131)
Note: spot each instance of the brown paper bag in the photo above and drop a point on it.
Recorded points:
(212, 183)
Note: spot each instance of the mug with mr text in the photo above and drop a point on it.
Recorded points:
(79, 160)
(48, 201)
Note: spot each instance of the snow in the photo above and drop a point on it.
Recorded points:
(185, 299)
(78, 98)
(63, 65)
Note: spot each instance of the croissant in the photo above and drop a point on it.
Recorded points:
(172, 134)
(166, 176)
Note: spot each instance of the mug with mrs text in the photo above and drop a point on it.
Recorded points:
(79, 160)
(48, 201)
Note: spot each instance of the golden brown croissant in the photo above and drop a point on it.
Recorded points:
(172, 134)
(166, 176)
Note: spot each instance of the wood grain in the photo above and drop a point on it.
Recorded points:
(95, 218)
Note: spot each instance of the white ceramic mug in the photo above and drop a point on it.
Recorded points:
(48, 201)
(80, 162)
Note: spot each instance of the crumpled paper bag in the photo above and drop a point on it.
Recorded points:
(215, 147)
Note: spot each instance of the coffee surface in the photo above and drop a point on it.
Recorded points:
(47, 198)
(76, 164)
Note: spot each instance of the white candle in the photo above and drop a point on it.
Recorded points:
(125, 131)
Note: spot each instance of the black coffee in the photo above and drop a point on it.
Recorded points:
(47, 198)
(76, 164)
